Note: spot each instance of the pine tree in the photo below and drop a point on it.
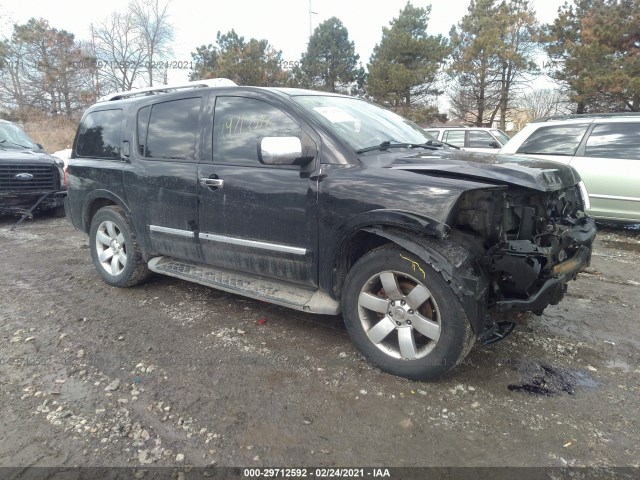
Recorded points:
(330, 62)
(404, 66)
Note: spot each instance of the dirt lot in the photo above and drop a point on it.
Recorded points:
(173, 373)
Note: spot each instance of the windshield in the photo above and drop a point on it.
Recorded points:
(361, 124)
(11, 136)
(501, 136)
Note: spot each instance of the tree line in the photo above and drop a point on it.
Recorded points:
(485, 66)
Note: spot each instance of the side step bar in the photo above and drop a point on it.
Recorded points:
(245, 284)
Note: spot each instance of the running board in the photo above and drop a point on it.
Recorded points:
(245, 284)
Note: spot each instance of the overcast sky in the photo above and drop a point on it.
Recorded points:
(285, 23)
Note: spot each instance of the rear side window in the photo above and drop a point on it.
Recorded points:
(480, 139)
(555, 140)
(239, 123)
(172, 130)
(99, 135)
(614, 140)
(454, 137)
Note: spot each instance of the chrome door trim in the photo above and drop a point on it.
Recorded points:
(254, 244)
(172, 231)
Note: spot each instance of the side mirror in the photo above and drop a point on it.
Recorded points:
(494, 145)
(280, 151)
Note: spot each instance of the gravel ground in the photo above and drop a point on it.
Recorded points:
(176, 374)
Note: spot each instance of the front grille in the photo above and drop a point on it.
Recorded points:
(45, 177)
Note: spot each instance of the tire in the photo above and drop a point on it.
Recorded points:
(115, 250)
(403, 316)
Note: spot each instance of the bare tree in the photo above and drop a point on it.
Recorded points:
(119, 51)
(151, 22)
(519, 31)
(543, 103)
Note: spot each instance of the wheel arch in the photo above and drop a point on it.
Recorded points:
(358, 237)
(456, 264)
(97, 200)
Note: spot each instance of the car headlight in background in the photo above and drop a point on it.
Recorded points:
(585, 195)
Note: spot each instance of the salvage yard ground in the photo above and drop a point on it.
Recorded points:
(173, 373)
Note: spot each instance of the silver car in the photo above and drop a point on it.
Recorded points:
(472, 139)
(603, 148)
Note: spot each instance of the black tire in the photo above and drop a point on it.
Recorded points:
(112, 235)
(436, 336)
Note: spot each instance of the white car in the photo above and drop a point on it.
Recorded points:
(603, 148)
(473, 139)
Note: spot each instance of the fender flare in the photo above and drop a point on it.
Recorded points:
(92, 197)
(403, 219)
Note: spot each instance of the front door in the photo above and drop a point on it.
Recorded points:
(256, 218)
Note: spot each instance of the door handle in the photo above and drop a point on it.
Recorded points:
(212, 182)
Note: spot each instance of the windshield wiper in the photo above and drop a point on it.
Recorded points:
(387, 144)
(14, 143)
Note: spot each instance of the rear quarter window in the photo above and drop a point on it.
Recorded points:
(614, 140)
(99, 135)
(555, 140)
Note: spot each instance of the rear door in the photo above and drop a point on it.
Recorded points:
(609, 164)
(256, 218)
(161, 179)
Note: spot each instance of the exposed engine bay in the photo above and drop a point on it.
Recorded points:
(529, 243)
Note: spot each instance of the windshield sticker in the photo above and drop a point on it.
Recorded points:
(337, 115)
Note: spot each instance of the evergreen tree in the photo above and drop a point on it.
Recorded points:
(404, 66)
(493, 51)
(330, 62)
(594, 47)
(253, 62)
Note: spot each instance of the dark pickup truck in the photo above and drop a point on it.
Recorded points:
(30, 179)
(327, 204)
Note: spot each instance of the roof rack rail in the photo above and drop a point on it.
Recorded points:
(574, 116)
(212, 82)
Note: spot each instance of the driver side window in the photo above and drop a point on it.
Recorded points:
(239, 124)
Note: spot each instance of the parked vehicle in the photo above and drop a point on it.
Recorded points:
(472, 139)
(603, 148)
(30, 179)
(326, 204)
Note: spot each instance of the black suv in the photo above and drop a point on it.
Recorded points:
(30, 179)
(326, 204)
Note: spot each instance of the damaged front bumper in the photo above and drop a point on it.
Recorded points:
(25, 204)
(529, 276)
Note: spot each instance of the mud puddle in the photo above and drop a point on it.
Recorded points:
(548, 381)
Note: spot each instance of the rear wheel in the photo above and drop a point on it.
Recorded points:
(114, 248)
(403, 316)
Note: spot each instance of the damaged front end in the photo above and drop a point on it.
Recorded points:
(529, 243)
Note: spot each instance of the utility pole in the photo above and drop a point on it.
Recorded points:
(311, 12)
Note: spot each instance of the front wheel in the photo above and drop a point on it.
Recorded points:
(114, 248)
(403, 316)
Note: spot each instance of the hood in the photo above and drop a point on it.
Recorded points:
(491, 168)
(26, 157)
